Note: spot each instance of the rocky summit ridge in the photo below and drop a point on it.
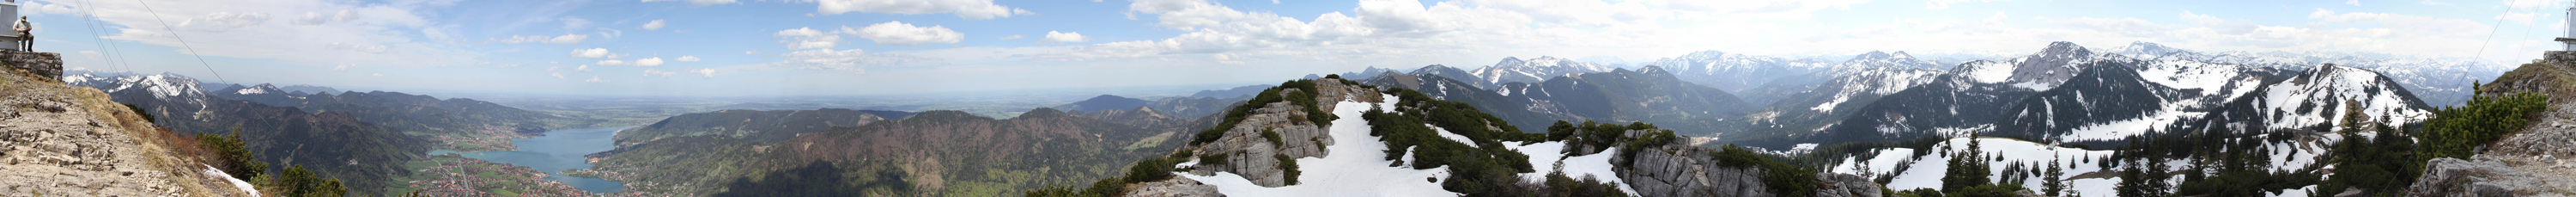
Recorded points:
(63, 140)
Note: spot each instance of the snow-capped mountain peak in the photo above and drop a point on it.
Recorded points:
(1514, 69)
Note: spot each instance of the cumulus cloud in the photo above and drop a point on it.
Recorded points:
(968, 9)
(583, 68)
(563, 39)
(613, 62)
(222, 21)
(709, 72)
(558, 75)
(698, 2)
(595, 79)
(658, 73)
(852, 60)
(806, 38)
(648, 62)
(368, 48)
(685, 58)
(1945, 4)
(596, 53)
(898, 33)
(573, 22)
(317, 18)
(342, 67)
(1065, 37)
(43, 8)
(655, 25)
(1012, 37)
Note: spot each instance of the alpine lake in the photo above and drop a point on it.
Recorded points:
(558, 150)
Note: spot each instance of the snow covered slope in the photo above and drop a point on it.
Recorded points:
(2319, 98)
(1354, 165)
(1513, 69)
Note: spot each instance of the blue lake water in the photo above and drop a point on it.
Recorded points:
(559, 150)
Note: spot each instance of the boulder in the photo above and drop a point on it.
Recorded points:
(44, 66)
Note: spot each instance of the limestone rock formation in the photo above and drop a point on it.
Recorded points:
(1250, 154)
(2488, 176)
(1172, 188)
(1682, 170)
(44, 66)
(62, 140)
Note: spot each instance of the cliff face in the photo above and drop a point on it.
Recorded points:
(1249, 153)
(1677, 169)
(61, 140)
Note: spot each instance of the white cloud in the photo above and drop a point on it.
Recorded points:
(241, 29)
(368, 48)
(852, 60)
(685, 58)
(2519, 17)
(342, 67)
(553, 68)
(42, 8)
(658, 73)
(596, 53)
(613, 62)
(900, 34)
(380, 74)
(2352, 2)
(709, 72)
(595, 79)
(583, 68)
(1012, 37)
(1945, 4)
(750, 52)
(806, 38)
(2223, 26)
(968, 9)
(558, 75)
(223, 21)
(317, 18)
(574, 22)
(563, 39)
(655, 25)
(2410, 24)
(648, 62)
(1065, 37)
(698, 2)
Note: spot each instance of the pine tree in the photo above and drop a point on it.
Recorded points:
(1967, 168)
(2053, 180)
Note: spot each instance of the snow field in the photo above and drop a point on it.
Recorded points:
(1926, 171)
(1353, 166)
(1550, 156)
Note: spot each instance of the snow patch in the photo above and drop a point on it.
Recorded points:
(1353, 167)
(237, 183)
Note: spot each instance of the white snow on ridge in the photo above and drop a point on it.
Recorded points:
(237, 183)
(1353, 166)
(1926, 171)
(1549, 156)
(1444, 133)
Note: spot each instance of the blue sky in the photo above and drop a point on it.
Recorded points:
(882, 47)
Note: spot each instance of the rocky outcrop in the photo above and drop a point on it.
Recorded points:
(1681, 170)
(1177, 187)
(1250, 154)
(46, 67)
(2488, 176)
(61, 140)
(2533, 161)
